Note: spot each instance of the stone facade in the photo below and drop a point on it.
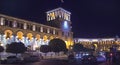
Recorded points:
(99, 44)
(30, 33)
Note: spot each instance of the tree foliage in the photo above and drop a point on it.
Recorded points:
(57, 45)
(80, 48)
(45, 48)
(16, 47)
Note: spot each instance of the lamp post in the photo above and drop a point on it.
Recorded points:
(0, 44)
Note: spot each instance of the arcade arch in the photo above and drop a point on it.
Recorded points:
(29, 36)
(20, 35)
(8, 34)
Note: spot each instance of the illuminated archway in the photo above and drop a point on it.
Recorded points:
(95, 46)
(20, 35)
(51, 37)
(45, 38)
(8, 34)
(29, 35)
(37, 37)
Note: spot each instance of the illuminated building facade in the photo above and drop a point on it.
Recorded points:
(99, 44)
(34, 34)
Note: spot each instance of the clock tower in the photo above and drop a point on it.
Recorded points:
(60, 18)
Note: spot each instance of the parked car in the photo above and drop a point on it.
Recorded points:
(88, 59)
(101, 58)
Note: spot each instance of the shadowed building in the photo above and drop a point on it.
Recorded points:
(35, 34)
(99, 44)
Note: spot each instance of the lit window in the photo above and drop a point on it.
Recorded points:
(41, 29)
(53, 31)
(33, 27)
(25, 26)
(52, 16)
(66, 16)
(1, 21)
(48, 30)
(65, 25)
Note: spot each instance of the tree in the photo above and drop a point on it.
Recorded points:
(57, 45)
(45, 48)
(78, 47)
(16, 47)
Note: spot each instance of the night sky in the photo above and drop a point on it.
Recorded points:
(90, 18)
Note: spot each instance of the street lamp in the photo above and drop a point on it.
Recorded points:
(1, 44)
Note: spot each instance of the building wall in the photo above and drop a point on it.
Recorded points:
(30, 33)
(100, 44)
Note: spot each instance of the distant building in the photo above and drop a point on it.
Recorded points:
(99, 44)
(34, 34)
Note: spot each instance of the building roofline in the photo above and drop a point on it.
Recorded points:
(27, 21)
(59, 8)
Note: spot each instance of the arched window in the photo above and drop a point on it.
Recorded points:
(20, 35)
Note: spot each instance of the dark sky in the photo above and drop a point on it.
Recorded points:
(90, 18)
